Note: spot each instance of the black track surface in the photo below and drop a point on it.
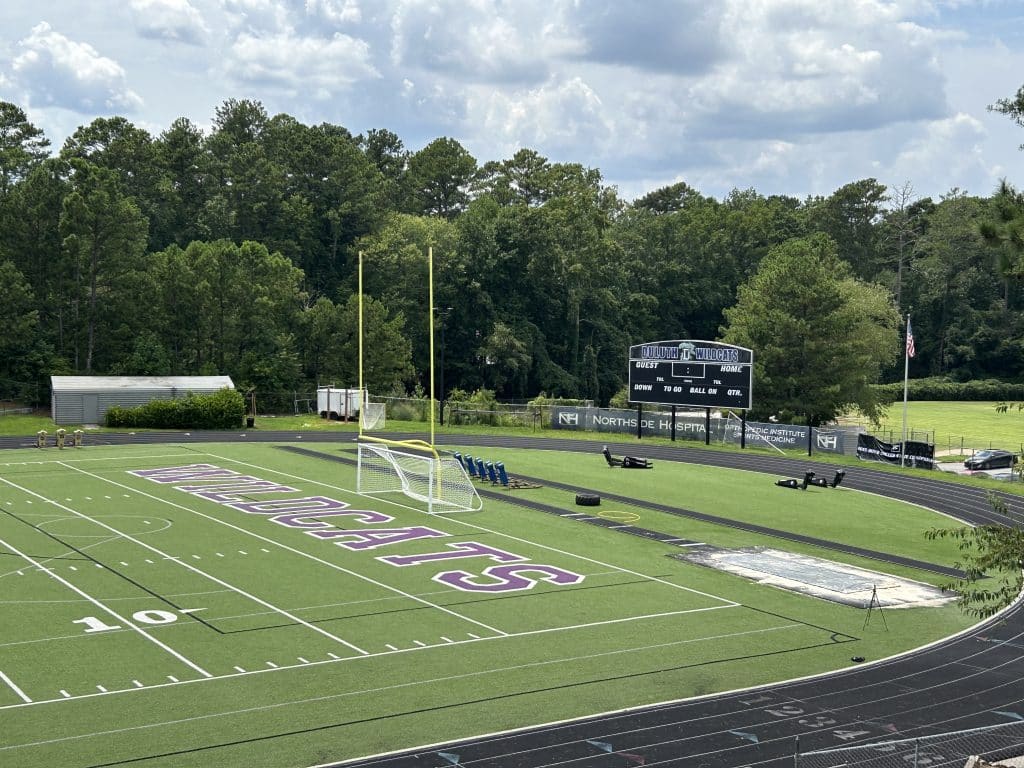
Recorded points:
(971, 680)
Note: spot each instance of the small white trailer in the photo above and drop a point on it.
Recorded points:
(338, 403)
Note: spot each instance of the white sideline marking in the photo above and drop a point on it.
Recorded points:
(107, 608)
(15, 688)
(299, 552)
(192, 568)
(377, 690)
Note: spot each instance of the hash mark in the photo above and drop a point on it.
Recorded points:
(333, 655)
(101, 689)
(240, 669)
(65, 694)
(136, 683)
(172, 678)
(304, 661)
(272, 665)
(391, 647)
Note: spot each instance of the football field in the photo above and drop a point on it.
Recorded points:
(243, 605)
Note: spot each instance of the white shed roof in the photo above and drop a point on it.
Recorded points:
(107, 383)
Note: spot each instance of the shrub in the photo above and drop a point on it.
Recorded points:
(224, 409)
(943, 388)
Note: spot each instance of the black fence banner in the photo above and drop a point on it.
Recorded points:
(913, 453)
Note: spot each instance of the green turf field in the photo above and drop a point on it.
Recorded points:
(254, 610)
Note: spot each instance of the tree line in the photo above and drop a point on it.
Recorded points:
(235, 251)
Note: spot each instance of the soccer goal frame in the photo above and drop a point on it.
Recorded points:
(416, 470)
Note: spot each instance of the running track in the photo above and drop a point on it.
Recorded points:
(968, 681)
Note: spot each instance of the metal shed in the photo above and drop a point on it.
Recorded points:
(85, 399)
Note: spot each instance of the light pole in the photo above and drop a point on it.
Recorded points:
(442, 315)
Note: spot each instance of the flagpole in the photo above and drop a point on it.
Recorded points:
(906, 373)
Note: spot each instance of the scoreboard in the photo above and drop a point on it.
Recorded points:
(704, 374)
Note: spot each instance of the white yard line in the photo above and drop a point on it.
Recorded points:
(182, 563)
(454, 519)
(15, 688)
(108, 609)
(293, 550)
(64, 554)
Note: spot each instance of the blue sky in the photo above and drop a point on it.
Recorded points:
(784, 96)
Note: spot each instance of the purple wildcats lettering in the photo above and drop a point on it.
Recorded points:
(225, 492)
(184, 473)
(377, 537)
(508, 578)
(290, 511)
(360, 516)
(462, 549)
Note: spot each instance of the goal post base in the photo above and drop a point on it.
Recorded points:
(415, 469)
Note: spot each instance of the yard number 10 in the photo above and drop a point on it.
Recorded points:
(94, 624)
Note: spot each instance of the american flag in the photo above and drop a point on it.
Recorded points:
(910, 339)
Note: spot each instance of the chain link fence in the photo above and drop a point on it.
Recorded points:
(995, 743)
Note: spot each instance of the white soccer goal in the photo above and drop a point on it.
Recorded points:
(371, 415)
(440, 482)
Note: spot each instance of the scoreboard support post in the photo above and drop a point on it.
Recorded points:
(743, 429)
(639, 421)
(673, 423)
(707, 426)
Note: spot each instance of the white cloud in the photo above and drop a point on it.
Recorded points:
(481, 41)
(54, 70)
(300, 64)
(802, 67)
(257, 16)
(952, 146)
(677, 36)
(558, 115)
(173, 20)
(335, 11)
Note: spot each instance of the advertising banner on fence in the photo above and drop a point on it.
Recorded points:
(917, 454)
(690, 426)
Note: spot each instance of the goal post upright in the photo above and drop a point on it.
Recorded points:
(430, 301)
(360, 334)
(413, 467)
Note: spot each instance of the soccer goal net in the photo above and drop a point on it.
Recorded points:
(438, 481)
(371, 415)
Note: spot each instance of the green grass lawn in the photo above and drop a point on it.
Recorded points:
(198, 620)
(956, 425)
